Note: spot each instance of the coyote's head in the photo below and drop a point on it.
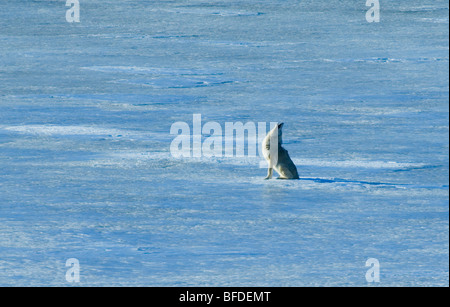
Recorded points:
(278, 129)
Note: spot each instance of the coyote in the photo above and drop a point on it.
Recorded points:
(281, 162)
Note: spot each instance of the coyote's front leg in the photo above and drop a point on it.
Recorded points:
(269, 173)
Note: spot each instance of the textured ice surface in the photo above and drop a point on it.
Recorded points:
(86, 172)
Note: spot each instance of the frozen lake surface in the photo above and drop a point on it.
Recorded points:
(86, 170)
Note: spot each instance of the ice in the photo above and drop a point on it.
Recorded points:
(50, 130)
(86, 170)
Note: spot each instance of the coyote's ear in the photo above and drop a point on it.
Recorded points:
(280, 125)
